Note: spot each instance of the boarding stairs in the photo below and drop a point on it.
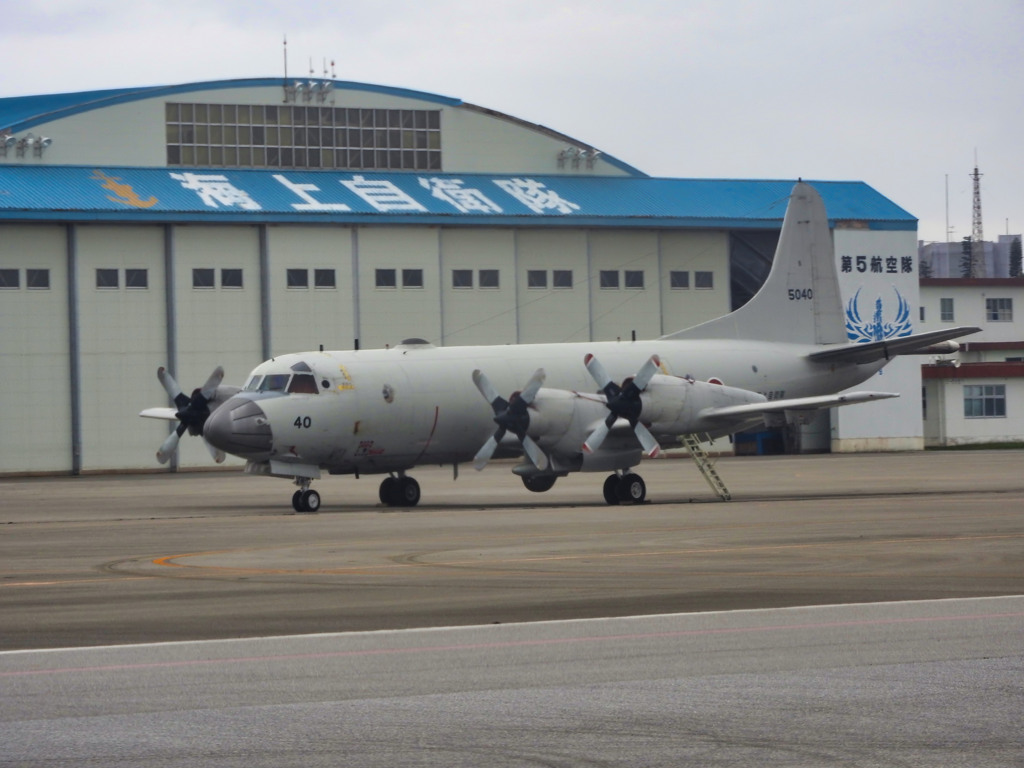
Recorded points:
(694, 445)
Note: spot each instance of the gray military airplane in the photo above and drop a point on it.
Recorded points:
(385, 411)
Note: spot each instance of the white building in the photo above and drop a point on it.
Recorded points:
(976, 396)
(226, 222)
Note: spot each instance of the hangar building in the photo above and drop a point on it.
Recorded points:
(221, 223)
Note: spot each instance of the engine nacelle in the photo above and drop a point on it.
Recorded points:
(561, 420)
(673, 406)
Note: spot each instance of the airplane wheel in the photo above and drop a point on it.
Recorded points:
(539, 483)
(310, 501)
(297, 501)
(388, 491)
(611, 489)
(408, 492)
(631, 489)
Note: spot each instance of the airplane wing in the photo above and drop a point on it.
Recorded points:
(918, 343)
(746, 410)
(168, 414)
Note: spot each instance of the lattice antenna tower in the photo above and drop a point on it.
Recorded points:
(977, 236)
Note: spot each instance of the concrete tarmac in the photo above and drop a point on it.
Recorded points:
(100, 560)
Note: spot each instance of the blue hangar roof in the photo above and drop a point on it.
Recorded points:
(78, 193)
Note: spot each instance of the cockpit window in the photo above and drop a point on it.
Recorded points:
(253, 383)
(275, 382)
(303, 383)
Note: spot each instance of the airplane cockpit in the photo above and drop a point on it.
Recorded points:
(300, 380)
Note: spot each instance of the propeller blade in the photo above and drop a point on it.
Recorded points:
(540, 461)
(173, 390)
(597, 371)
(646, 373)
(533, 386)
(209, 390)
(650, 445)
(597, 436)
(168, 447)
(485, 453)
(215, 453)
(484, 385)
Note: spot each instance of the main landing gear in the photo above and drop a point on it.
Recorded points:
(399, 491)
(625, 488)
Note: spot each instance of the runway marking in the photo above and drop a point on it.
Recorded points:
(483, 564)
(462, 647)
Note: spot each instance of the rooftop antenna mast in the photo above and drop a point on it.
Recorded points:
(977, 237)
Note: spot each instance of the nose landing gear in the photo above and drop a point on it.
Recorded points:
(305, 499)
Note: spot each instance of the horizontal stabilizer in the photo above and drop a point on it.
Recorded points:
(872, 351)
(168, 414)
(746, 410)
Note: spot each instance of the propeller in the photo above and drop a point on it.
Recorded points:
(623, 402)
(192, 412)
(510, 415)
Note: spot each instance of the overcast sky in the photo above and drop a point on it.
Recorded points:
(897, 93)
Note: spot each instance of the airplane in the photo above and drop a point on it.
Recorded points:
(570, 407)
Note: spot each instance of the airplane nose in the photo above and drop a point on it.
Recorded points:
(239, 427)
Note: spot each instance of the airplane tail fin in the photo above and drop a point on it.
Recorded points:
(799, 301)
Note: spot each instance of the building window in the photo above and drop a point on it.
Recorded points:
(231, 278)
(462, 278)
(679, 280)
(297, 278)
(38, 279)
(999, 310)
(920, 314)
(488, 278)
(536, 278)
(634, 278)
(609, 278)
(386, 278)
(294, 136)
(946, 310)
(984, 401)
(107, 278)
(9, 278)
(412, 278)
(324, 278)
(703, 280)
(136, 278)
(561, 278)
(202, 277)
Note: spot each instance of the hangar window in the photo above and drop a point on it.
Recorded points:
(324, 278)
(984, 401)
(136, 278)
(462, 278)
(107, 278)
(609, 278)
(634, 278)
(488, 278)
(231, 278)
(679, 280)
(297, 278)
(9, 278)
(536, 278)
(412, 278)
(703, 280)
(386, 278)
(202, 277)
(561, 278)
(38, 279)
(293, 136)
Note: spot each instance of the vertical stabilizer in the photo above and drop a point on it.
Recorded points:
(800, 301)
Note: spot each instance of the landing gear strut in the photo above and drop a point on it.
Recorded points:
(305, 499)
(625, 488)
(399, 491)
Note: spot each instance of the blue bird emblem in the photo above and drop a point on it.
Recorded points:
(877, 327)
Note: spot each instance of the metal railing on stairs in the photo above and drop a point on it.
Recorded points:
(694, 444)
